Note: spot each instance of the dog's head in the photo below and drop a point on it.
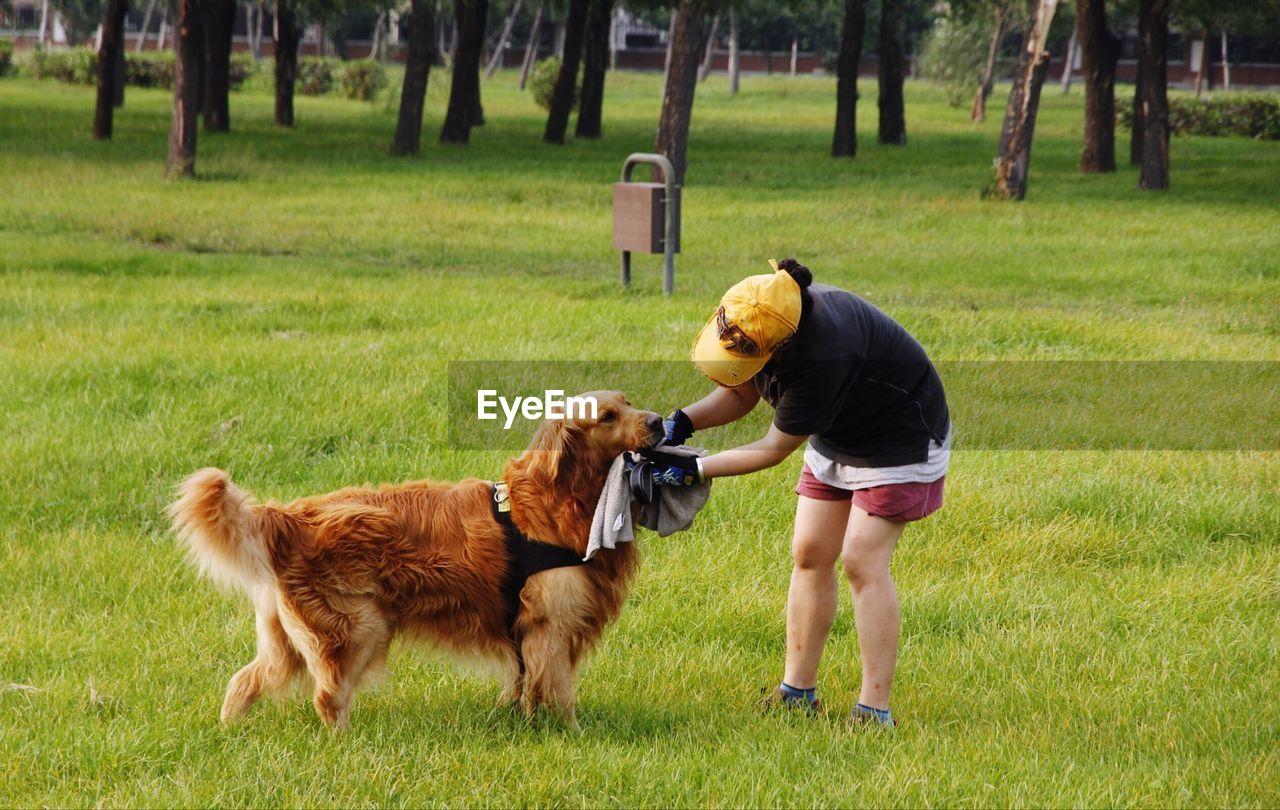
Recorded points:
(568, 459)
(597, 427)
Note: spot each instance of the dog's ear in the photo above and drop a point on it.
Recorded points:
(555, 441)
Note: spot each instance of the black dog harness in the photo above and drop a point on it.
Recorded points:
(525, 557)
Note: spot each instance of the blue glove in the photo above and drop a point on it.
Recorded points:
(670, 470)
(677, 428)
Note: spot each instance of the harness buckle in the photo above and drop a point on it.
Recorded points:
(501, 498)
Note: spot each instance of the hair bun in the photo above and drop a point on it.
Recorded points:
(797, 271)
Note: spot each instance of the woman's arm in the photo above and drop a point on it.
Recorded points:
(759, 455)
(722, 406)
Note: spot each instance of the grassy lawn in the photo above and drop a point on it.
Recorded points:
(1080, 627)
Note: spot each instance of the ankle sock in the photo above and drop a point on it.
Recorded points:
(883, 715)
(790, 694)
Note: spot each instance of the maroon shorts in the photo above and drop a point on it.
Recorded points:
(900, 503)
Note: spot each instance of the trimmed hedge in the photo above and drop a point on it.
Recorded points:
(315, 75)
(362, 79)
(1250, 116)
(73, 65)
(147, 69)
(542, 83)
(6, 56)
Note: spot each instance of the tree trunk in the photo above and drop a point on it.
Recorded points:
(255, 33)
(845, 141)
(709, 55)
(795, 53)
(1014, 158)
(1203, 39)
(43, 36)
(613, 40)
(1226, 64)
(682, 81)
(978, 112)
(671, 39)
(496, 59)
(446, 35)
(1099, 52)
(735, 62)
(477, 108)
(112, 43)
(567, 80)
(595, 65)
(531, 47)
(286, 47)
(376, 44)
(162, 37)
(219, 24)
(893, 126)
(464, 92)
(1153, 47)
(146, 23)
(187, 38)
(1071, 59)
(117, 87)
(417, 69)
(1135, 132)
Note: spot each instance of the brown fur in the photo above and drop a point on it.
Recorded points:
(333, 578)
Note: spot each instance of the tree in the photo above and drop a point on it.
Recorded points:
(1099, 52)
(219, 25)
(187, 37)
(844, 142)
(464, 109)
(500, 48)
(79, 17)
(286, 38)
(595, 64)
(531, 46)
(735, 64)
(954, 53)
(1014, 157)
(978, 112)
(417, 69)
(682, 81)
(567, 80)
(1153, 65)
(110, 51)
(893, 126)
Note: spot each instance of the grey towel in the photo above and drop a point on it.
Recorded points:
(673, 508)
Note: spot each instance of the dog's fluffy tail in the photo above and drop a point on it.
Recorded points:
(217, 521)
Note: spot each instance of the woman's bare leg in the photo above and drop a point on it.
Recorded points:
(868, 546)
(814, 594)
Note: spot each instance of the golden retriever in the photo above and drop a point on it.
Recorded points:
(333, 578)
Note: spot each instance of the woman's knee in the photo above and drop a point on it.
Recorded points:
(863, 569)
(813, 551)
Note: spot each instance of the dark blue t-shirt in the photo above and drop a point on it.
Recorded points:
(857, 383)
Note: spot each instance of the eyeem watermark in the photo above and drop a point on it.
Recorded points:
(553, 404)
(1215, 405)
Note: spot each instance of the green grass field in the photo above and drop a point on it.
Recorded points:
(1081, 628)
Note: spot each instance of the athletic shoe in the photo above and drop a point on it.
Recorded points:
(775, 700)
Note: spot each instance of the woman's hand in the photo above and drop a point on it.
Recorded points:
(677, 428)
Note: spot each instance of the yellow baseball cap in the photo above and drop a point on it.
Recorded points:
(755, 317)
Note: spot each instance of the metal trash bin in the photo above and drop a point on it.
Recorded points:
(646, 217)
